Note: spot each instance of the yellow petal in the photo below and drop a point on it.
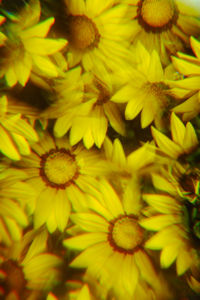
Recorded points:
(10, 76)
(7, 146)
(118, 155)
(159, 222)
(39, 30)
(41, 46)
(190, 139)
(62, 210)
(162, 203)
(165, 144)
(168, 255)
(184, 261)
(85, 240)
(186, 68)
(23, 69)
(90, 222)
(21, 143)
(178, 130)
(45, 66)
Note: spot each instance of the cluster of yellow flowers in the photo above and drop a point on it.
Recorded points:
(96, 203)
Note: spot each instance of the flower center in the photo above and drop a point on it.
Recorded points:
(157, 13)
(126, 234)
(83, 33)
(104, 95)
(58, 168)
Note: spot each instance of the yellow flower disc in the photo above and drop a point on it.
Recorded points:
(126, 233)
(83, 32)
(157, 13)
(58, 167)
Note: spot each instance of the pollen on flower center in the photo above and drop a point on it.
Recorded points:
(126, 234)
(83, 33)
(58, 168)
(157, 13)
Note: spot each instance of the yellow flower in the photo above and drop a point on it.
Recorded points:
(112, 240)
(184, 139)
(15, 132)
(28, 266)
(145, 90)
(26, 49)
(164, 26)
(61, 175)
(98, 33)
(177, 230)
(189, 87)
(13, 195)
(85, 107)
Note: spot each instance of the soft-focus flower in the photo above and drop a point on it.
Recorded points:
(85, 107)
(145, 90)
(27, 267)
(98, 33)
(164, 26)
(177, 230)
(26, 48)
(184, 138)
(61, 175)
(113, 240)
(15, 132)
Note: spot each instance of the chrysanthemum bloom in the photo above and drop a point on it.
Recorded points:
(184, 139)
(27, 268)
(176, 222)
(163, 25)
(26, 49)
(15, 132)
(98, 33)
(113, 240)
(189, 87)
(88, 114)
(13, 194)
(145, 90)
(61, 176)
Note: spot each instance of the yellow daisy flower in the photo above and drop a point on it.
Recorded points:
(177, 229)
(145, 90)
(61, 175)
(98, 33)
(88, 114)
(164, 26)
(26, 49)
(112, 240)
(27, 266)
(13, 195)
(189, 87)
(184, 139)
(15, 132)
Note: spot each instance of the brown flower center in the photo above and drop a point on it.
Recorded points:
(83, 33)
(104, 95)
(125, 234)
(157, 13)
(58, 168)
